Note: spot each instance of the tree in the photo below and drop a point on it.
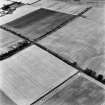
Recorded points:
(100, 77)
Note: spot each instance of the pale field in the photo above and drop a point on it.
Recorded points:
(8, 40)
(5, 100)
(80, 40)
(60, 6)
(96, 14)
(80, 90)
(84, 1)
(32, 73)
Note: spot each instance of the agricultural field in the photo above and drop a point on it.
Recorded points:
(32, 73)
(80, 40)
(97, 15)
(5, 100)
(52, 52)
(78, 91)
(38, 23)
(26, 1)
(60, 6)
(19, 12)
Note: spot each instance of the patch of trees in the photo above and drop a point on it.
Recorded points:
(90, 72)
(14, 49)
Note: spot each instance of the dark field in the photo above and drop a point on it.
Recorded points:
(80, 91)
(38, 23)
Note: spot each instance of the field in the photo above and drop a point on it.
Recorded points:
(60, 6)
(38, 23)
(26, 1)
(48, 4)
(4, 100)
(40, 40)
(81, 40)
(78, 91)
(32, 73)
(96, 14)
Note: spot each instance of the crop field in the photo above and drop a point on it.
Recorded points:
(48, 4)
(32, 73)
(38, 23)
(78, 91)
(63, 7)
(80, 40)
(5, 100)
(96, 14)
(26, 1)
(52, 52)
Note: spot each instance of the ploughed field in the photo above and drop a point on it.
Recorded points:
(38, 23)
